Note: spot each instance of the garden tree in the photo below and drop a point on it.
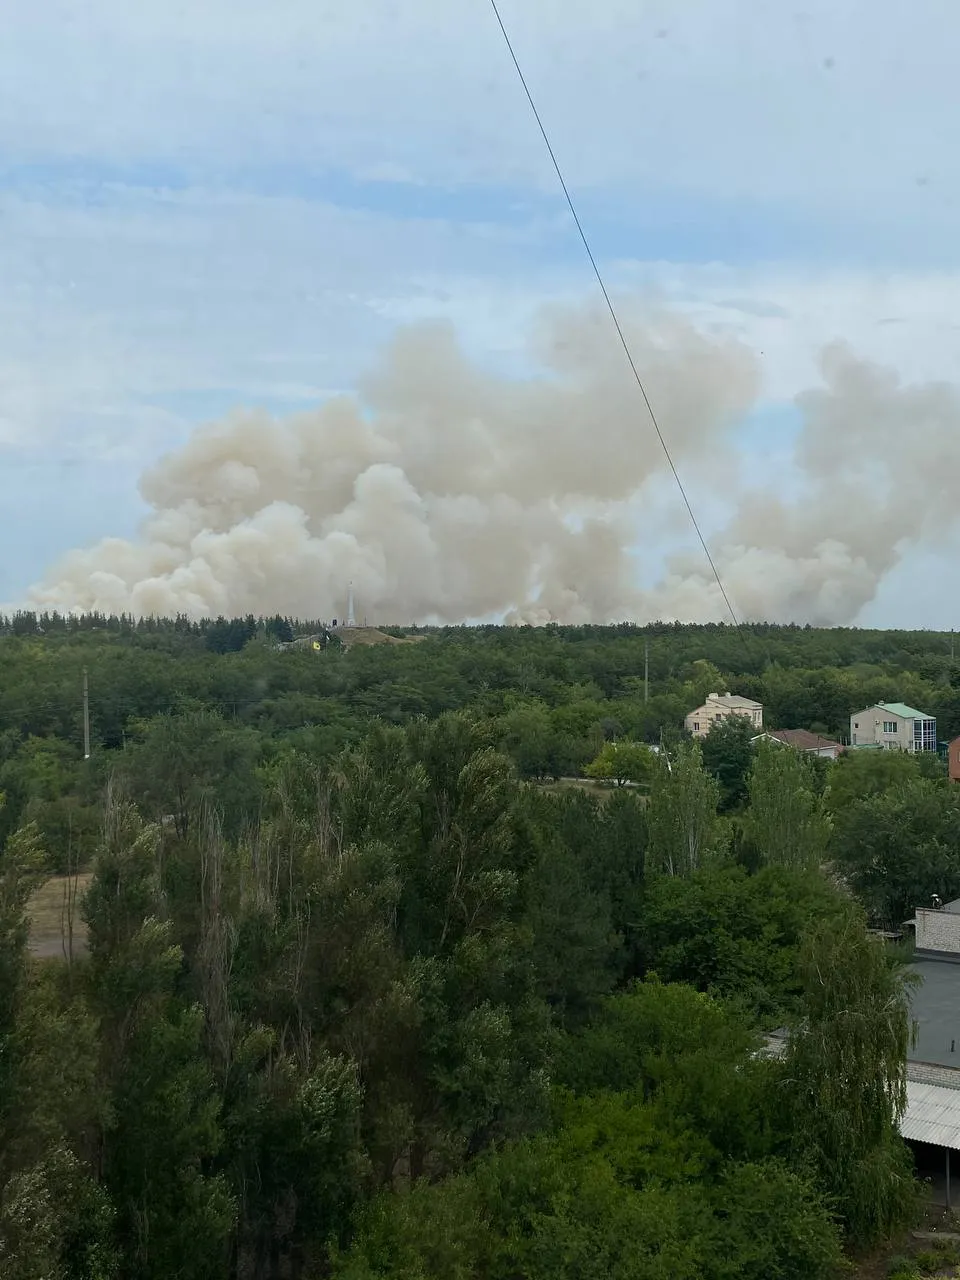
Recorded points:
(577, 951)
(611, 1196)
(622, 762)
(162, 1121)
(728, 757)
(701, 678)
(44, 782)
(397, 937)
(616, 849)
(811, 697)
(785, 822)
(583, 891)
(858, 775)
(772, 1222)
(482, 1028)
(291, 1115)
(279, 629)
(628, 1182)
(369, 947)
(900, 846)
(546, 737)
(229, 637)
(59, 1098)
(527, 737)
(56, 1223)
(194, 756)
(682, 813)
(846, 1072)
(21, 872)
(734, 934)
(292, 1153)
(669, 1042)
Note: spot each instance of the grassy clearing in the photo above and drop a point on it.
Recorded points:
(592, 786)
(47, 912)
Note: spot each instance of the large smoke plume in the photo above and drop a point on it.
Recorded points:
(445, 493)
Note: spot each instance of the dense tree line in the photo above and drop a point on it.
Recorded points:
(359, 999)
(552, 698)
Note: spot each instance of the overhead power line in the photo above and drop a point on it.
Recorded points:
(616, 321)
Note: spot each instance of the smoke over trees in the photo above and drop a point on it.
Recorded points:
(446, 493)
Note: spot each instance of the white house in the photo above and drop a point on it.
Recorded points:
(719, 706)
(893, 726)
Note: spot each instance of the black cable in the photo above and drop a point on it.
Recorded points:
(616, 320)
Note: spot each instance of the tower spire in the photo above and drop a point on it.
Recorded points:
(351, 620)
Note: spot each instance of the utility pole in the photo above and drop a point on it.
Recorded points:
(86, 716)
(646, 670)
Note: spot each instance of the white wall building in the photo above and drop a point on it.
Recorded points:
(719, 706)
(893, 726)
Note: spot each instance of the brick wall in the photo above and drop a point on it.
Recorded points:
(931, 1073)
(938, 930)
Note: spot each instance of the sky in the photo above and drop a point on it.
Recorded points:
(205, 206)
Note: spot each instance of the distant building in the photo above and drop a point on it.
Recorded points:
(719, 706)
(953, 759)
(816, 744)
(893, 726)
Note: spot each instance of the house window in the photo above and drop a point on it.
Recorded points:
(856, 724)
(696, 726)
(889, 726)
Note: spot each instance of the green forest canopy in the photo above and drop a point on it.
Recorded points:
(358, 1000)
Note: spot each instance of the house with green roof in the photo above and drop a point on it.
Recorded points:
(893, 726)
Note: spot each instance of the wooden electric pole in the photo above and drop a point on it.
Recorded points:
(86, 716)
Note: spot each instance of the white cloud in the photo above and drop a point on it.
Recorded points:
(907, 320)
(128, 312)
(844, 107)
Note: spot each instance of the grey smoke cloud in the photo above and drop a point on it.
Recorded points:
(447, 493)
(878, 462)
(442, 491)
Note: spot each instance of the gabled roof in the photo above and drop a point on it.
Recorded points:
(901, 709)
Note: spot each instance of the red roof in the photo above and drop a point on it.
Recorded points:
(802, 739)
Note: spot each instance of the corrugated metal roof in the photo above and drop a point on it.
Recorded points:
(932, 1115)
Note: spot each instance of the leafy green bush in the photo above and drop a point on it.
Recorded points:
(901, 1267)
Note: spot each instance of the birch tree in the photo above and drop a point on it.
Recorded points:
(846, 1062)
(785, 820)
(682, 814)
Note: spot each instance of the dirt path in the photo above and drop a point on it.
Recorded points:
(46, 910)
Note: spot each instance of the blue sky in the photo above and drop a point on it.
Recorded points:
(235, 203)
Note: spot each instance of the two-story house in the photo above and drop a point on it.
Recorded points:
(893, 726)
(717, 707)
